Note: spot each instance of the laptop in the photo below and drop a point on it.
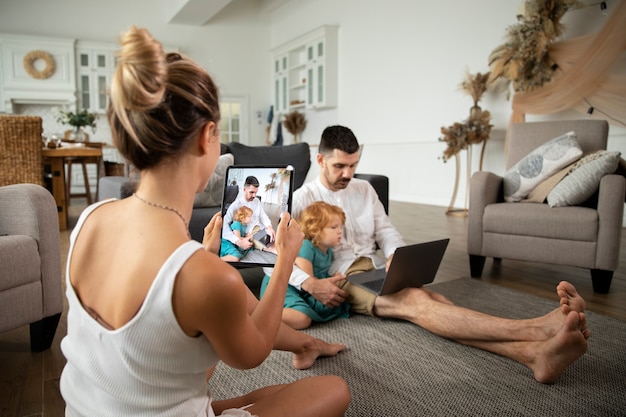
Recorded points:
(411, 266)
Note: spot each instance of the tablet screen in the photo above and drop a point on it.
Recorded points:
(254, 198)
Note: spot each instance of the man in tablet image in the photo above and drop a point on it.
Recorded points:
(260, 225)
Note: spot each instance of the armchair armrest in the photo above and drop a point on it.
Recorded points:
(380, 184)
(30, 210)
(485, 189)
(610, 218)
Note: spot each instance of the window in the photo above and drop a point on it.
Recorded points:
(233, 127)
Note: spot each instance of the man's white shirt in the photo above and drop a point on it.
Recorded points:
(366, 225)
(259, 217)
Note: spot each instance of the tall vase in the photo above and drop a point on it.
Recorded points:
(475, 112)
(78, 135)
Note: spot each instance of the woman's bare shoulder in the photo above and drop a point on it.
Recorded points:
(206, 285)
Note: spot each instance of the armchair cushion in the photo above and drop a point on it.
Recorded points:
(539, 165)
(584, 179)
(19, 256)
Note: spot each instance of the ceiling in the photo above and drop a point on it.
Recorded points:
(200, 12)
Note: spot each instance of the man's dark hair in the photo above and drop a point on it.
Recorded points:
(251, 180)
(338, 137)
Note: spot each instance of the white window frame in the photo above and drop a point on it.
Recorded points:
(244, 127)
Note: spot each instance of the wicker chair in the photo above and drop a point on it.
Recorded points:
(20, 150)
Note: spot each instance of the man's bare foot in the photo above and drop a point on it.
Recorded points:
(554, 355)
(314, 349)
(570, 299)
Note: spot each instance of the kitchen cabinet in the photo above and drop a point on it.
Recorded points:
(95, 64)
(305, 71)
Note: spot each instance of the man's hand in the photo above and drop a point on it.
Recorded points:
(212, 234)
(244, 243)
(326, 290)
(388, 262)
(270, 231)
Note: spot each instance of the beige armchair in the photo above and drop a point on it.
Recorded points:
(585, 236)
(30, 261)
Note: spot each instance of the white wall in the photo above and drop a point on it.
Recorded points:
(234, 48)
(400, 64)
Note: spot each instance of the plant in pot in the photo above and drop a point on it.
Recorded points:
(77, 120)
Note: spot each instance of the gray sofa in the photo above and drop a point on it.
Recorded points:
(30, 260)
(585, 235)
(298, 155)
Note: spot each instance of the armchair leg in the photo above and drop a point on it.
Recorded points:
(477, 263)
(601, 280)
(42, 332)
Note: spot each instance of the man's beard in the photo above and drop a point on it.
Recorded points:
(342, 183)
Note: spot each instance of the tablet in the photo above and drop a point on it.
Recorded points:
(254, 198)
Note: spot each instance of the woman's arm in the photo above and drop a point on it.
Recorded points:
(210, 298)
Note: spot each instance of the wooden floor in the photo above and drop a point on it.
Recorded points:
(29, 382)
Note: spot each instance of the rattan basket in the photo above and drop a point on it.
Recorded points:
(20, 150)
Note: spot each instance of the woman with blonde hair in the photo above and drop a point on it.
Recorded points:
(150, 310)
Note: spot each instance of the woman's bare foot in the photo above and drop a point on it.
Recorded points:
(314, 349)
(570, 299)
(553, 356)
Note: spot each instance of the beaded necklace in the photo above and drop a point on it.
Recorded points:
(178, 213)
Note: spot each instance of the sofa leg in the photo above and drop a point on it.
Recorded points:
(601, 280)
(42, 333)
(477, 263)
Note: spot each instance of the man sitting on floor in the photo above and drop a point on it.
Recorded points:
(547, 344)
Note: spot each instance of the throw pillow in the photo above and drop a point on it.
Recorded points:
(541, 191)
(540, 164)
(211, 196)
(584, 179)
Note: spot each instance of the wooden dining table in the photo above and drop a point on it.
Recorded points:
(57, 158)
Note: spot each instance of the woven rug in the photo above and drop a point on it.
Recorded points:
(394, 368)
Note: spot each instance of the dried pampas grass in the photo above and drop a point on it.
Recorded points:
(474, 85)
(460, 136)
(295, 122)
(524, 58)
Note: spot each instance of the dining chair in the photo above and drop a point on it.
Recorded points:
(20, 150)
(83, 161)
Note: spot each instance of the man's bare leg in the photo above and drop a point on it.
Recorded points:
(547, 344)
(426, 309)
(305, 348)
(547, 359)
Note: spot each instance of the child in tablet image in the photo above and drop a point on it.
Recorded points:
(229, 251)
(259, 219)
(322, 225)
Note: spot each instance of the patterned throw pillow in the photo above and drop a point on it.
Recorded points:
(211, 196)
(540, 164)
(584, 179)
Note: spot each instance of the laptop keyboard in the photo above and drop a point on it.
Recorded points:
(375, 285)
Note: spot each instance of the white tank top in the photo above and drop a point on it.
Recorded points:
(148, 367)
